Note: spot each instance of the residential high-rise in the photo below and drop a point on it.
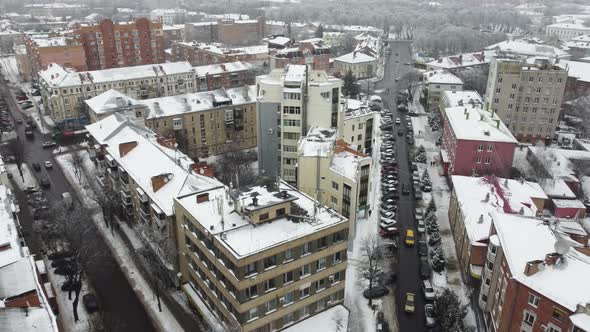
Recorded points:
(527, 96)
(111, 45)
(290, 101)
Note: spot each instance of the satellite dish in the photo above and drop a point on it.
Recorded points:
(562, 246)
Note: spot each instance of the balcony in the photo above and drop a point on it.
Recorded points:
(491, 256)
(100, 179)
(111, 161)
(126, 197)
(142, 195)
(144, 215)
(159, 217)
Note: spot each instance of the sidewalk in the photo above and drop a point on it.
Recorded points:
(162, 321)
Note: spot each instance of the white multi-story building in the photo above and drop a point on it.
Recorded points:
(64, 89)
(290, 101)
(527, 96)
(438, 81)
(567, 30)
(168, 16)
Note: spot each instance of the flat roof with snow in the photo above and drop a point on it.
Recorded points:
(480, 198)
(334, 319)
(228, 67)
(441, 77)
(355, 58)
(565, 282)
(461, 97)
(560, 163)
(319, 142)
(471, 122)
(576, 69)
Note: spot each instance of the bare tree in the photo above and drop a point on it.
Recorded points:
(16, 148)
(77, 161)
(410, 80)
(106, 199)
(369, 265)
(69, 231)
(235, 167)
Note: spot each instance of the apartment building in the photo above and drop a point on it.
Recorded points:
(290, 101)
(113, 101)
(200, 54)
(43, 49)
(146, 172)
(261, 258)
(356, 127)
(567, 30)
(225, 75)
(63, 89)
(229, 31)
(527, 96)
(456, 98)
(122, 44)
(206, 123)
(436, 82)
(334, 173)
(9, 38)
(475, 142)
(534, 277)
(579, 46)
(312, 50)
(475, 203)
(360, 64)
(173, 33)
(168, 16)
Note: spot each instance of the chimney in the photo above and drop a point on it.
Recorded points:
(487, 198)
(125, 148)
(532, 267)
(254, 201)
(480, 220)
(551, 259)
(202, 198)
(159, 181)
(521, 211)
(466, 116)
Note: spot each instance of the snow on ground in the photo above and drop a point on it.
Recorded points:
(10, 69)
(451, 276)
(364, 316)
(66, 315)
(165, 320)
(29, 177)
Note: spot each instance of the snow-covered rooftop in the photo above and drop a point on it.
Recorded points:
(557, 188)
(243, 238)
(319, 142)
(356, 108)
(51, 41)
(581, 320)
(149, 159)
(9, 236)
(480, 198)
(293, 73)
(528, 47)
(471, 122)
(347, 163)
(334, 319)
(229, 67)
(559, 162)
(574, 25)
(568, 204)
(462, 97)
(280, 40)
(576, 69)
(355, 57)
(199, 101)
(441, 77)
(58, 76)
(110, 100)
(463, 60)
(526, 239)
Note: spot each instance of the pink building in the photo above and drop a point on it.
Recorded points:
(475, 142)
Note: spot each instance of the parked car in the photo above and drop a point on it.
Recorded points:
(405, 189)
(425, 270)
(420, 226)
(409, 307)
(429, 314)
(387, 214)
(48, 164)
(398, 121)
(386, 222)
(27, 106)
(388, 232)
(400, 132)
(36, 167)
(422, 248)
(375, 292)
(90, 302)
(418, 214)
(48, 144)
(410, 240)
(428, 291)
(418, 195)
(45, 183)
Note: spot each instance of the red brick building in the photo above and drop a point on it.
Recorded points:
(311, 48)
(111, 45)
(43, 50)
(527, 286)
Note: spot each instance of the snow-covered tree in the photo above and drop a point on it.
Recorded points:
(431, 228)
(450, 312)
(434, 239)
(426, 178)
(350, 88)
(431, 206)
(430, 217)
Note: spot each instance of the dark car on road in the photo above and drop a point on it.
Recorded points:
(36, 167)
(375, 292)
(45, 183)
(90, 302)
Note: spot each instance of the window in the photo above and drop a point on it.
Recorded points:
(321, 264)
(533, 300)
(480, 147)
(323, 242)
(334, 200)
(289, 298)
(271, 305)
(497, 90)
(490, 147)
(325, 95)
(253, 313)
(252, 292)
(484, 298)
(269, 285)
(289, 254)
(488, 280)
(490, 266)
(337, 257)
(263, 216)
(287, 277)
(336, 277)
(270, 261)
(280, 212)
(320, 285)
(289, 318)
(478, 159)
(558, 315)
(513, 86)
(336, 237)
(304, 292)
(306, 248)
(334, 185)
(553, 328)
(488, 159)
(292, 95)
(305, 270)
(251, 269)
(529, 318)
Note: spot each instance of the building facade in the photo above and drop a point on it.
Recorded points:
(526, 96)
(172, 33)
(250, 259)
(111, 45)
(475, 143)
(567, 30)
(312, 50)
(64, 90)
(168, 16)
(360, 64)
(199, 54)
(42, 50)
(436, 83)
(290, 101)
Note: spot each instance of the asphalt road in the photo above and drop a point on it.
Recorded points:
(119, 304)
(408, 278)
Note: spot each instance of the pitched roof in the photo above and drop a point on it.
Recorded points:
(355, 57)
(109, 100)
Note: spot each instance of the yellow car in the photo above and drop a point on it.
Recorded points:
(410, 237)
(410, 306)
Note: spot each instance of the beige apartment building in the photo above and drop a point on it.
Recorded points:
(146, 173)
(64, 90)
(261, 258)
(334, 173)
(527, 95)
(357, 125)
